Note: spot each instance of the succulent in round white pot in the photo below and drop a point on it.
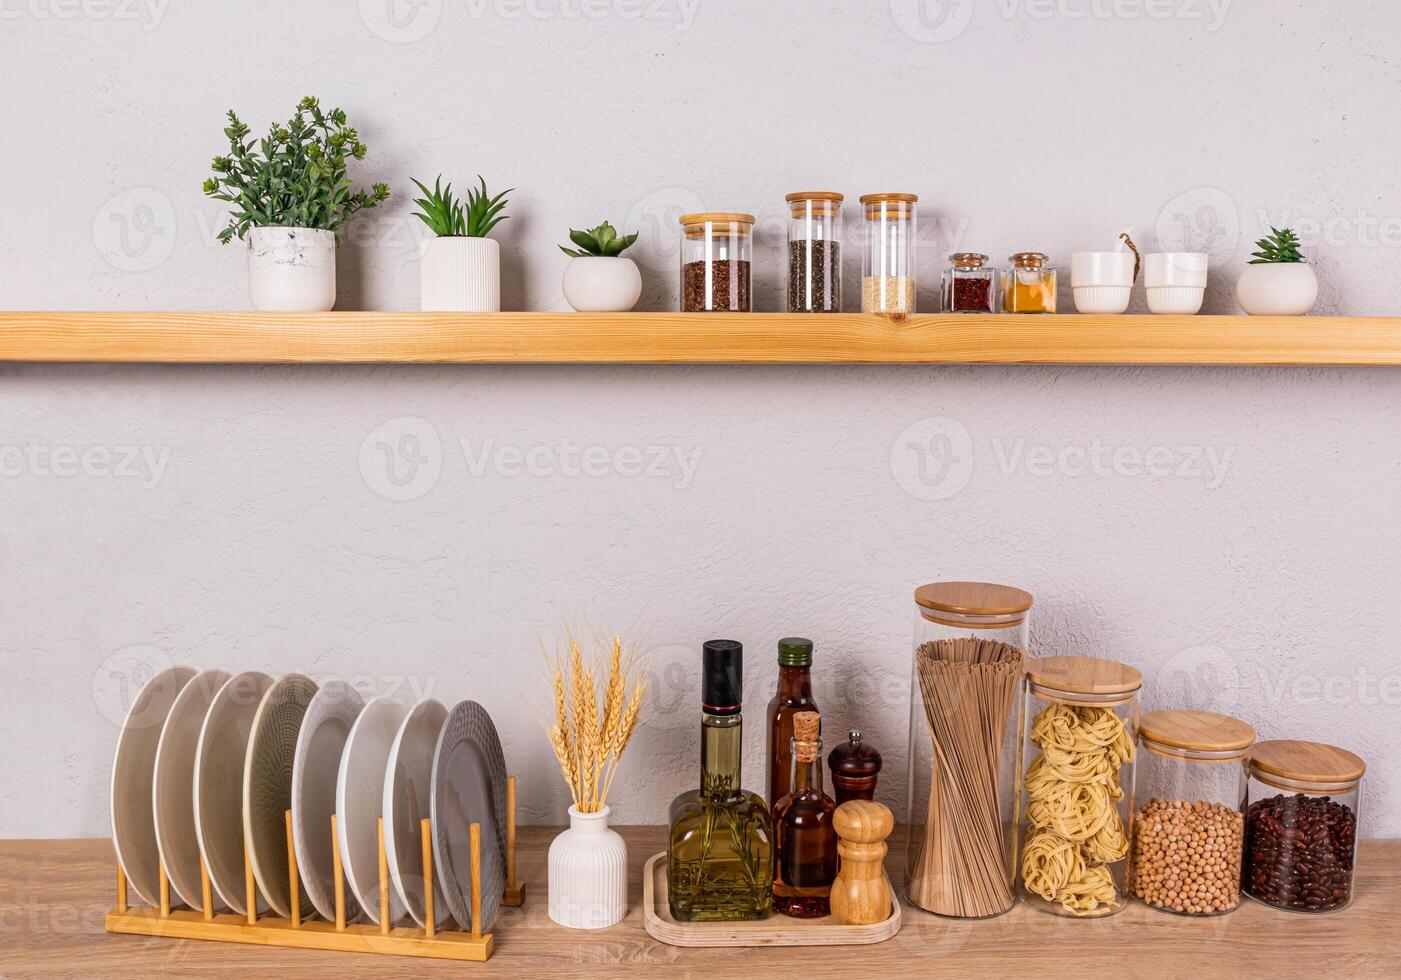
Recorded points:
(598, 278)
(290, 195)
(1277, 282)
(459, 268)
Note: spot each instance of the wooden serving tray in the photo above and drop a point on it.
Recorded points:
(777, 930)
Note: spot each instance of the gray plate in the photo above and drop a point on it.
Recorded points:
(469, 786)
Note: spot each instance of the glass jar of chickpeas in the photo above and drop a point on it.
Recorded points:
(1188, 828)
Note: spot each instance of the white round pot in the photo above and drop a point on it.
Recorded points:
(595, 284)
(1175, 281)
(588, 873)
(1102, 281)
(291, 270)
(460, 275)
(1277, 289)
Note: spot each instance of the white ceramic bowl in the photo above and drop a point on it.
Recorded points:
(1175, 281)
(1102, 281)
(1277, 289)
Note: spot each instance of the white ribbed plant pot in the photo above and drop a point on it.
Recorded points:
(460, 275)
(291, 270)
(599, 284)
(588, 873)
(1277, 289)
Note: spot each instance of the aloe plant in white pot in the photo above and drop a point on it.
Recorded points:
(598, 279)
(459, 268)
(290, 195)
(1277, 282)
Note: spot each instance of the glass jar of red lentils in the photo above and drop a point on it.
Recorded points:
(1188, 828)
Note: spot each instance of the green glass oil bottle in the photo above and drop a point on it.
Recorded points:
(720, 850)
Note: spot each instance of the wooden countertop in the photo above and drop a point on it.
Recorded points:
(53, 895)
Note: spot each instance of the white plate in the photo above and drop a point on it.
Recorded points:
(133, 771)
(469, 786)
(408, 781)
(360, 802)
(219, 762)
(314, 772)
(173, 788)
(267, 787)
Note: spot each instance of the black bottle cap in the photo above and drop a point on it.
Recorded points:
(795, 651)
(722, 677)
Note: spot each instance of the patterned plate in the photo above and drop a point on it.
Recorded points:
(133, 771)
(267, 787)
(173, 799)
(315, 770)
(219, 765)
(469, 786)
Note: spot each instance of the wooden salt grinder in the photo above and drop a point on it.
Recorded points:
(860, 893)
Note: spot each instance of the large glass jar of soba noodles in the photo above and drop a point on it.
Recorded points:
(1077, 788)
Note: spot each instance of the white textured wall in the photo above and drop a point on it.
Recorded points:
(1233, 532)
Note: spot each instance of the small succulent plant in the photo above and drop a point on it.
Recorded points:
(448, 217)
(1281, 246)
(602, 242)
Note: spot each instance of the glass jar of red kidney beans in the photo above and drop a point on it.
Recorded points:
(1301, 825)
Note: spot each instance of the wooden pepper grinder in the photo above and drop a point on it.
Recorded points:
(860, 893)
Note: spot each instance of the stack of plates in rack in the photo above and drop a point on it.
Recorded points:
(208, 764)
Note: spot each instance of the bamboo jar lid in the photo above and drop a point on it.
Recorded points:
(973, 598)
(1306, 762)
(1084, 675)
(890, 198)
(1197, 731)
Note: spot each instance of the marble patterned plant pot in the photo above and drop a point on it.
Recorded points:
(588, 869)
(291, 270)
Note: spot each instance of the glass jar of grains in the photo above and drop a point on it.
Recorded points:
(970, 641)
(1029, 286)
(888, 259)
(1188, 830)
(716, 254)
(1301, 825)
(1077, 790)
(970, 284)
(814, 252)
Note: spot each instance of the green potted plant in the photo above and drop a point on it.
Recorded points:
(459, 268)
(599, 278)
(290, 195)
(1277, 282)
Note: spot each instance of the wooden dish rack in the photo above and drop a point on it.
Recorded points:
(299, 933)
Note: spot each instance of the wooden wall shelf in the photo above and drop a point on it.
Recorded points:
(675, 338)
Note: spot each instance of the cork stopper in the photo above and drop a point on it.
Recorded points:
(806, 744)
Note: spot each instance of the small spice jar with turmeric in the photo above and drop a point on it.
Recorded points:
(1029, 286)
(1188, 828)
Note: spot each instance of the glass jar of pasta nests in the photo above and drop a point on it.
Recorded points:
(970, 642)
(1077, 788)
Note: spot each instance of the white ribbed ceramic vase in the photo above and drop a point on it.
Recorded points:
(291, 270)
(460, 275)
(588, 873)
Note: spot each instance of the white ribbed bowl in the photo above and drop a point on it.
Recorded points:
(1175, 299)
(1102, 299)
(588, 873)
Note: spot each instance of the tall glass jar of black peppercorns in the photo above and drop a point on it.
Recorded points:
(716, 254)
(814, 252)
(1301, 825)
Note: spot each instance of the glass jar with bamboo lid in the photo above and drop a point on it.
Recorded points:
(1301, 825)
(1188, 829)
(888, 258)
(1029, 286)
(814, 252)
(716, 255)
(1078, 783)
(970, 641)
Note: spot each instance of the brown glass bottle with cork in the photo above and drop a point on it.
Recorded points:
(805, 837)
(794, 694)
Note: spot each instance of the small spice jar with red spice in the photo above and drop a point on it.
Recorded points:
(970, 284)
